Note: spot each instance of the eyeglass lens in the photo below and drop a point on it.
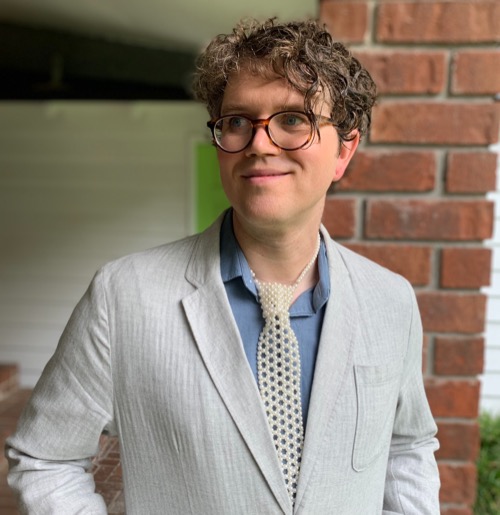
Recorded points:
(288, 130)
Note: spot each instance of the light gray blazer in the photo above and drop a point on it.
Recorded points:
(153, 354)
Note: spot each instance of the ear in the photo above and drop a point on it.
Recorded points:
(347, 150)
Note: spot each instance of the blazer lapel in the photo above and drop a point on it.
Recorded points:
(333, 362)
(217, 337)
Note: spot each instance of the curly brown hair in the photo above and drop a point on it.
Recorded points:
(303, 53)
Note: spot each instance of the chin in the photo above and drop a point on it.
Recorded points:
(262, 214)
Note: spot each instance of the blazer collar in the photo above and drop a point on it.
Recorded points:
(217, 336)
(334, 360)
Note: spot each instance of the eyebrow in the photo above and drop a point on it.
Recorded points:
(241, 109)
(235, 108)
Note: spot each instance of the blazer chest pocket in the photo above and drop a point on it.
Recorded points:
(377, 390)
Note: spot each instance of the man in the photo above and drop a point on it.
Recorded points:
(257, 368)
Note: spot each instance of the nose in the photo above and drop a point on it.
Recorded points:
(261, 143)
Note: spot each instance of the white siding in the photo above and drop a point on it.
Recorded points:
(82, 183)
(490, 392)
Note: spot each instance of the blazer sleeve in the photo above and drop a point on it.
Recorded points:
(58, 433)
(412, 480)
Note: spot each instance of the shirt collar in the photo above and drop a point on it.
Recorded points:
(234, 264)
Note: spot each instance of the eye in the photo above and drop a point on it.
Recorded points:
(236, 123)
(292, 120)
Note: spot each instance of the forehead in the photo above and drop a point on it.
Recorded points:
(264, 92)
(246, 90)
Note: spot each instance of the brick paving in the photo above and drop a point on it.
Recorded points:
(106, 466)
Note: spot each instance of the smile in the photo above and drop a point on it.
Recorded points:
(261, 175)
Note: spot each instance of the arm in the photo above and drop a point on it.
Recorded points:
(49, 454)
(412, 480)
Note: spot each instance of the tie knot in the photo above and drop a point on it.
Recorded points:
(275, 298)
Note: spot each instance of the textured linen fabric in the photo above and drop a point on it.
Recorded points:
(153, 354)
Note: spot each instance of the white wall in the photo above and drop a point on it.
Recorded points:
(490, 391)
(80, 184)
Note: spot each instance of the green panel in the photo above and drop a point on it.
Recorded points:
(210, 199)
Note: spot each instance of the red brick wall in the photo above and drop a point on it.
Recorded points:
(414, 196)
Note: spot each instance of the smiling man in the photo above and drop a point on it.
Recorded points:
(259, 367)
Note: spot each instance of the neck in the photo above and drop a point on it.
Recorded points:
(280, 256)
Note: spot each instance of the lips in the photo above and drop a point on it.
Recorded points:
(258, 174)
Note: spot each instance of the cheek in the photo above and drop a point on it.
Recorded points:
(322, 164)
(225, 161)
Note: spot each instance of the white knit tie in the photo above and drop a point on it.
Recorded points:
(278, 372)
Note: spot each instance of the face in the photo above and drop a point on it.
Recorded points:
(268, 186)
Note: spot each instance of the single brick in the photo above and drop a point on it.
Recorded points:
(438, 22)
(339, 217)
(458, 356)
(458, 440)
(465, 267)
(346, 21)
(406, 72)
(476, 72)
(429, 219)
(411, 261)
(452, 312)
(443, 123)
(390, 171)
(456, 511)
(458, 483)
(453, 398)
(471, 172)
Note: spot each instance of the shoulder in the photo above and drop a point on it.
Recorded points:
(172, 258)
(158, 260)
(372, 282)
(154, 258)
(382, 304)
(162, 269)
(169, 270)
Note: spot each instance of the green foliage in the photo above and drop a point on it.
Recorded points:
(488, 466)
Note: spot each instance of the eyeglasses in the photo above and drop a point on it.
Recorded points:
(288, 130)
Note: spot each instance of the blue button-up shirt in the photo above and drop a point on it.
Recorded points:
(306, 313)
